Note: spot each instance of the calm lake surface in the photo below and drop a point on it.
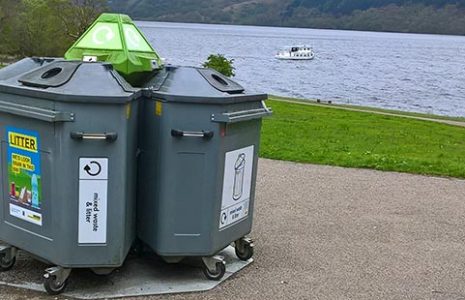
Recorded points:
(411, 72)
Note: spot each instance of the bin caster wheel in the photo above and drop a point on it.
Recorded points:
(53, 286)
(217, 274)
(102, 271)
(56, 279)
(5, 263)
(244, 249)
(7, 258)
(137, 248)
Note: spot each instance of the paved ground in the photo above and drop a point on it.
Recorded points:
(140, 276)
(333, 233)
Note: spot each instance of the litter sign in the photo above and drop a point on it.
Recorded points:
(93, 198)
(24, 176)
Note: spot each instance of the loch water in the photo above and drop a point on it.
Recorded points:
(410, 72)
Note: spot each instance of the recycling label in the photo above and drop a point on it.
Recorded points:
(237, 183)
(93, 198)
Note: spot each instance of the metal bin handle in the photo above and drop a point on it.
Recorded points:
(241, 116)
(37, 113)
(202, 134)
(107, 136)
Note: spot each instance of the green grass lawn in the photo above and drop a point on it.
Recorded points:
(374, 109)
(324, 135)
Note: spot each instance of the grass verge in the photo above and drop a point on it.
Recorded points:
(373, 109)
(329, 136)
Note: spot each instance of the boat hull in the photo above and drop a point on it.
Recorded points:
(294, 58)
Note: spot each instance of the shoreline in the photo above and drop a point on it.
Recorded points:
(451, 120)
(327, 134)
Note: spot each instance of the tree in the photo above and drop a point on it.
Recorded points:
(221, 64)
(8, 11)
(76, 15)
(44, 27)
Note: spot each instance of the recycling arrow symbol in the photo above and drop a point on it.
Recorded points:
(223, 218)
(88, 168)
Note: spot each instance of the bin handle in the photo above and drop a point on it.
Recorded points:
(35, 112)
(107, 136)
(241, 116)
(202, 134)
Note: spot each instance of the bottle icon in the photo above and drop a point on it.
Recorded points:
(35, 191)
(239, 168)
(13, 190)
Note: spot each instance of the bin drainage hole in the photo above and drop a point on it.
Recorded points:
(51, 73)
(219, 79)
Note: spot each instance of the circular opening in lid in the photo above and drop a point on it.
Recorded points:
(219, 79)
(51, 73)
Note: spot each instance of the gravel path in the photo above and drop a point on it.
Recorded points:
(333, 233)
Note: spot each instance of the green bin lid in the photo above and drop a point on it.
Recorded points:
(114, 38)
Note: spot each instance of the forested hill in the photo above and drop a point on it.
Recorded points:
(422, 16)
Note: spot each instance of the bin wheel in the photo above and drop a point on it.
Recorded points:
(6, 265)
(218, 274)
(137, 248)
(53, 286)
(244, 251)
(102, 271)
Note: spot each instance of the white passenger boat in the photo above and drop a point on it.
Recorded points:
(296, 53)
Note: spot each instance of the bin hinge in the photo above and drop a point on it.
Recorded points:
(64, 117)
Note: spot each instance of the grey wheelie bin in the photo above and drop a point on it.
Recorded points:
(68, 132)
(199, 143)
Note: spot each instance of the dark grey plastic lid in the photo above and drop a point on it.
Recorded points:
(53, 75)
(221, 82)
(68, 81)
(197, 85)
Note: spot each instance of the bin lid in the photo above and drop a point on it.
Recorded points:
(198, 85)
(114, 38)
(66, 81)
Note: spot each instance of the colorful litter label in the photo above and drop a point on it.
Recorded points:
(24, 175)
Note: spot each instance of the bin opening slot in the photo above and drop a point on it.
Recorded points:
(53, 75)
(221, 82)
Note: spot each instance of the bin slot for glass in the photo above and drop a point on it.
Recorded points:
(50, 76)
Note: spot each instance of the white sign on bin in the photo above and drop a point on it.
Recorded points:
(93, 198)
(237, 183)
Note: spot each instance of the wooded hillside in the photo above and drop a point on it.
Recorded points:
(422, 16)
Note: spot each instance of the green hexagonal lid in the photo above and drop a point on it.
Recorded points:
(114, 38)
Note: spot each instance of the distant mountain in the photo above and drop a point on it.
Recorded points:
(422, 16)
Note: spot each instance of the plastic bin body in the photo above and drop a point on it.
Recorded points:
(181, 194)
(86, 218)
